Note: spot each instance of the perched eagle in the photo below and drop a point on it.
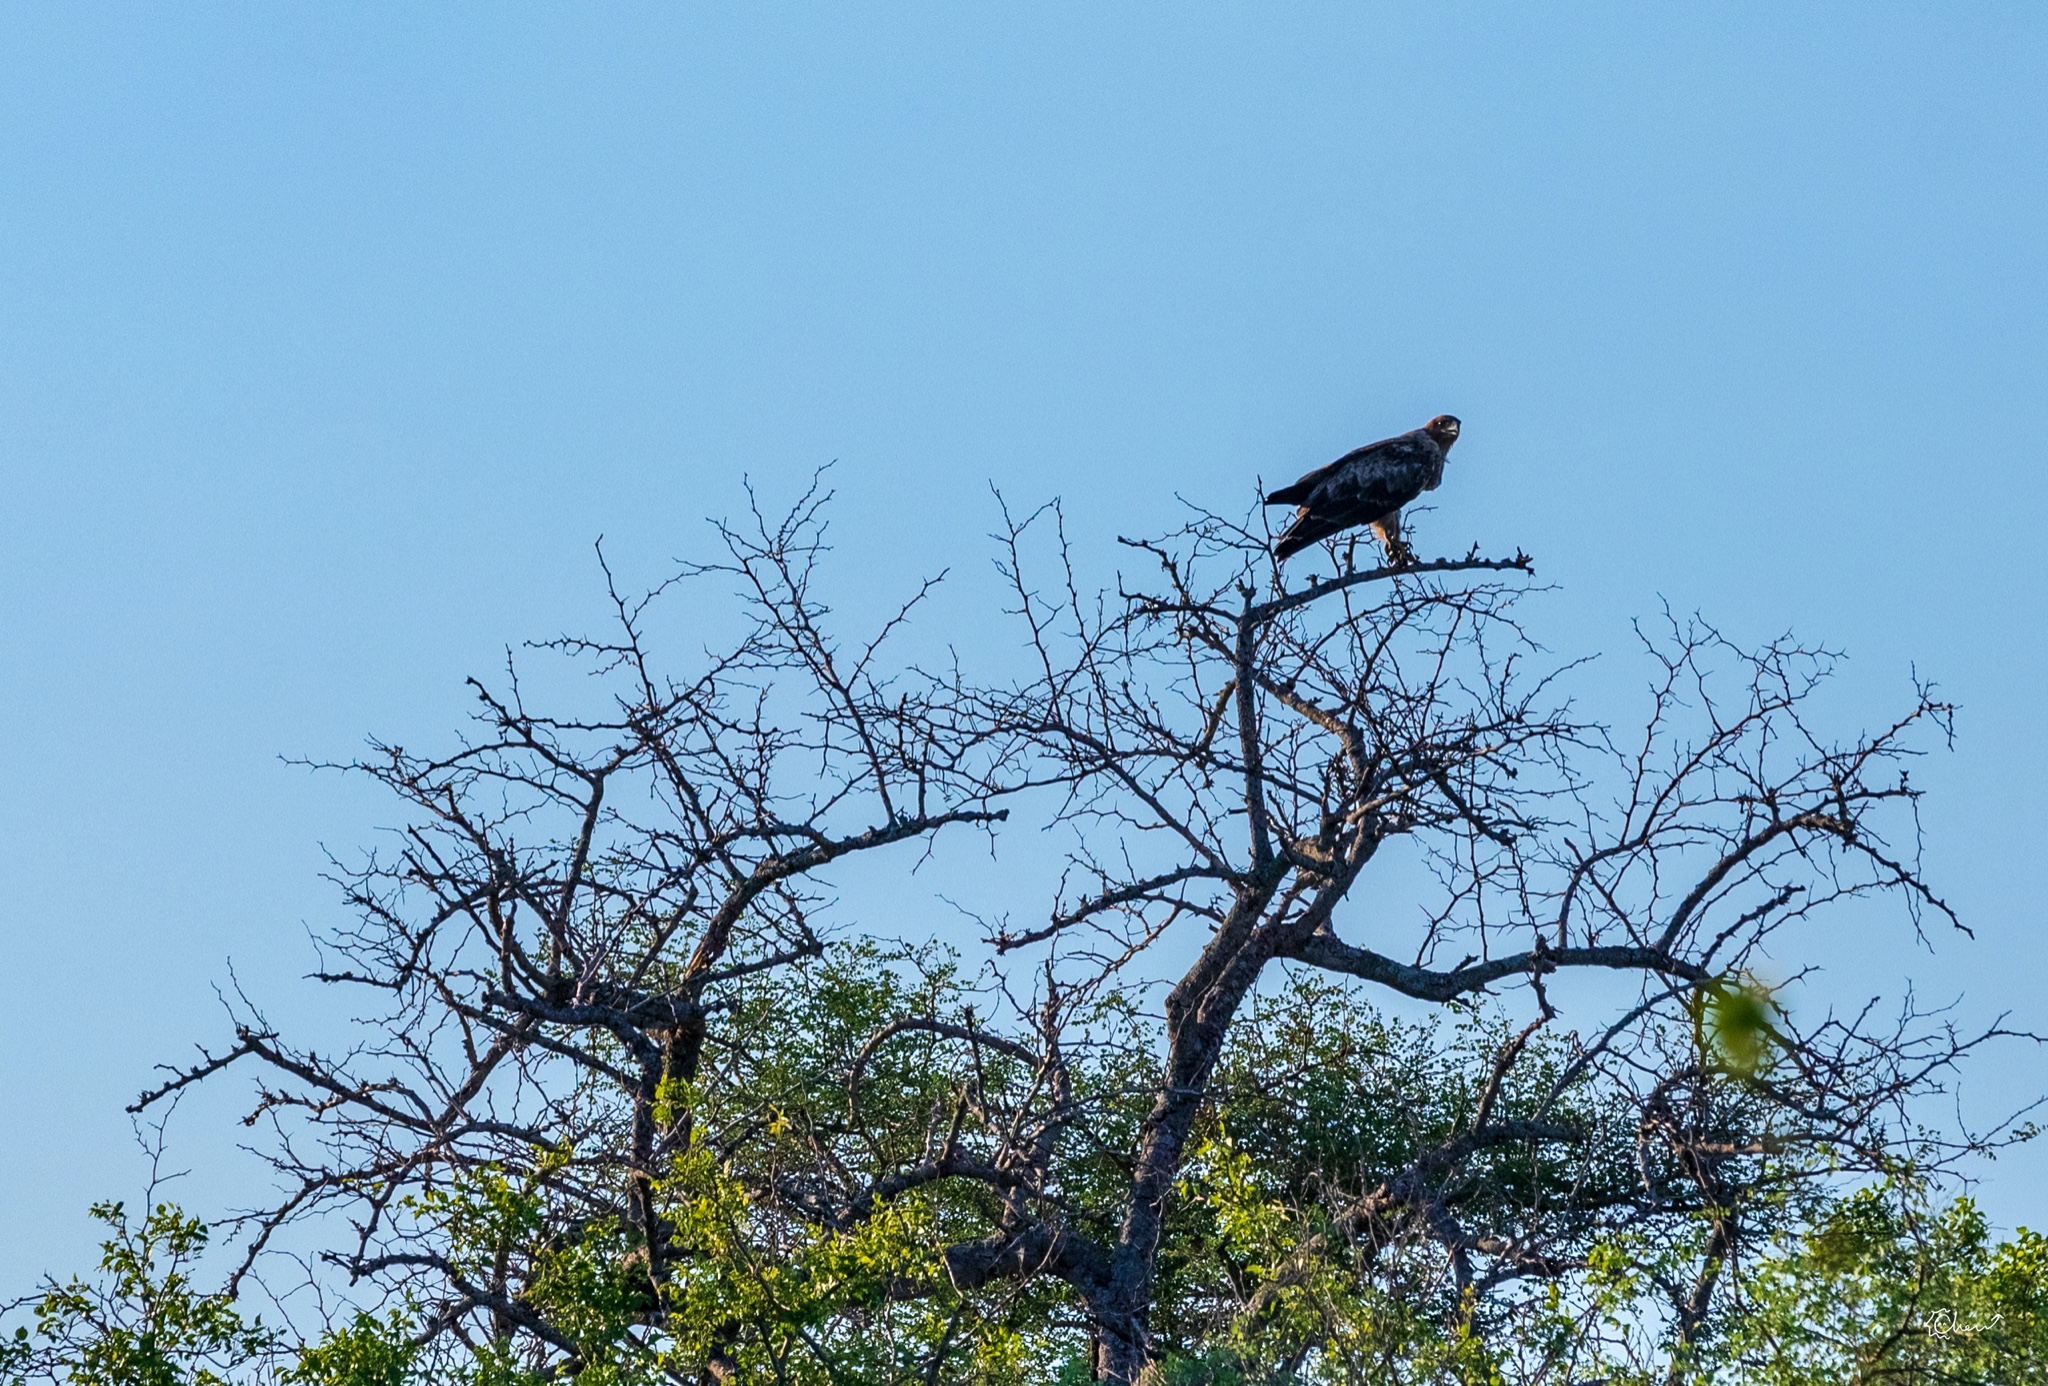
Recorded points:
(1367, 487)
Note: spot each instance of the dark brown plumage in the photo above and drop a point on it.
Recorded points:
(1367, 486)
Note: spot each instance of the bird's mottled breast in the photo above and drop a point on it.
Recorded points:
(1433, 468)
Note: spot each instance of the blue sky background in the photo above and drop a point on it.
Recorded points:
(331, 338)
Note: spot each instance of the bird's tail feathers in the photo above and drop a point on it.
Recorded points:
(1300, 535)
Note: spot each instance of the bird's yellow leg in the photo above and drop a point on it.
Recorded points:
(1399, 555)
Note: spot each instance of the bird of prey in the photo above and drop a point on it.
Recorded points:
(1367, 486)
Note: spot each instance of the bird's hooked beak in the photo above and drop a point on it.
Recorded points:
(1444, 429)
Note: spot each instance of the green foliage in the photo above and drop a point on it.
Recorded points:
(1736, 1020)
(142, 1322)
(1270, 1273)
(778, 1296)
(1310, 1314)
(589, 1287)
(366, 1351)
(1887, 1289)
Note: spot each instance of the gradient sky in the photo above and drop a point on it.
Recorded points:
(332, 336)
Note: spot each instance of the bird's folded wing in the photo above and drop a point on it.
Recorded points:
(1385, 463)
(1368, 483)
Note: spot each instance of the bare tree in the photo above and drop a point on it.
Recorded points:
(575, 933)
(573, 893)
(1240, 753)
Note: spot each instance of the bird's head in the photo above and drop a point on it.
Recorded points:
(1443, 429)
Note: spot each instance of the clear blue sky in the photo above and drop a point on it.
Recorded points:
(331, 337)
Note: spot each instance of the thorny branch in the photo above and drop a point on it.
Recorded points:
(565, 928)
